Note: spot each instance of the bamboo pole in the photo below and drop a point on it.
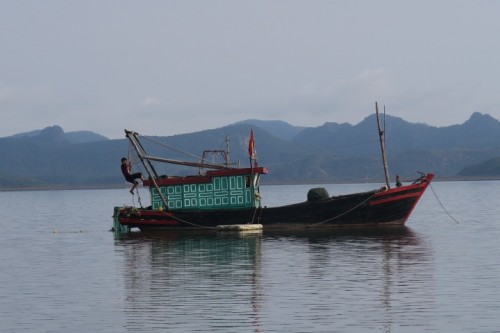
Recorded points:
(381, 134)
(132, 136)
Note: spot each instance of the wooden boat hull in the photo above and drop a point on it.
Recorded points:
(374, 208)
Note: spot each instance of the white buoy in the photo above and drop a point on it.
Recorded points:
(239, 227)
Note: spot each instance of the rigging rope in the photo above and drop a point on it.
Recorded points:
(442, 206)
(344, 213)
(138, 198)
(133, 159)
(170, 147)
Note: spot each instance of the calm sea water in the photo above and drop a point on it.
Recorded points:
(61, 270)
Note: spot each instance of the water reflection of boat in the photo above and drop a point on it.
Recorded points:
(179, 278)
(313, 236)
(195, 247)
(184, 281)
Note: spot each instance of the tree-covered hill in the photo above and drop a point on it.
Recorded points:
(331, 152)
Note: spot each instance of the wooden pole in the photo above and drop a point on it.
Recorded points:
(381, 134)
(132, 136)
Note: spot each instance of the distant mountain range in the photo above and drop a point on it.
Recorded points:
(71, 137)
(332, 152)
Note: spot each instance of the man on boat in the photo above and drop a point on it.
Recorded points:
(398, 181)
(129, 176)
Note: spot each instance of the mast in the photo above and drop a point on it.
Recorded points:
(132, 136)
(227, 150)
(381, 134)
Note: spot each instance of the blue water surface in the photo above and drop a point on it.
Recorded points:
(61, 270)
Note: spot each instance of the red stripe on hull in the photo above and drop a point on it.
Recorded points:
(138, 222)
(376, 202)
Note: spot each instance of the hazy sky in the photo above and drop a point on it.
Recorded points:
(167, 67)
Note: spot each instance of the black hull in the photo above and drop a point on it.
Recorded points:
(375, 208)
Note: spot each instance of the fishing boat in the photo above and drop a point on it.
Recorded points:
(227, 197)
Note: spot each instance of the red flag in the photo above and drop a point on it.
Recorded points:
(251, 145)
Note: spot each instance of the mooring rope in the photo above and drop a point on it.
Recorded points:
(442, 206)
(205, 227)
(187, 222)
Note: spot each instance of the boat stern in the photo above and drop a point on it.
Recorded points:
(119, 228)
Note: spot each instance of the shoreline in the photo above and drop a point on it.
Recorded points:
(263, 183)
